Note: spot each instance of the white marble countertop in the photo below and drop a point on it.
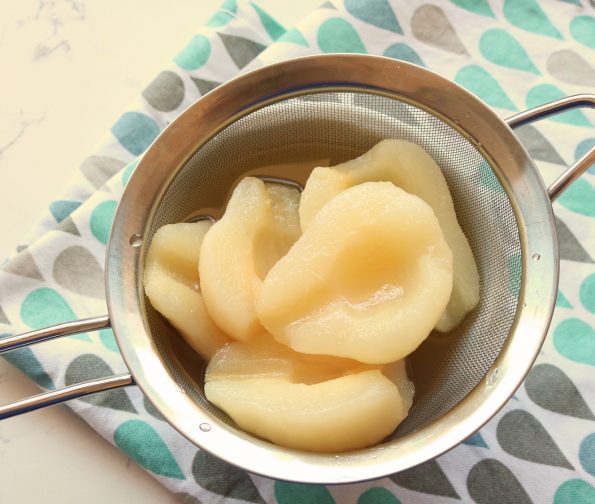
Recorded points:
(69, 68)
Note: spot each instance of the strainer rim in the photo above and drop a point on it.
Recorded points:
(166, 156)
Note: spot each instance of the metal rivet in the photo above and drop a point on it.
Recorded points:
(493, 376)
(136, 240)
(536, 257)
(205, 427)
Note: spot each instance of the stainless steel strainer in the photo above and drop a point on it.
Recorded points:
(279, 122)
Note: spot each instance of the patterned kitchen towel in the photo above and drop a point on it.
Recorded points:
(513, 54)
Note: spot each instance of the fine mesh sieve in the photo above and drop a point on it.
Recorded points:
(278, 123)
(285, 140)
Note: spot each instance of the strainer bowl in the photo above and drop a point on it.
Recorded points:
(280, 122)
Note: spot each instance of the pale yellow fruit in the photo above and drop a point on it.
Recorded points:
(171, 283)
(367, 280)
(260, 223)
(315, 403)
(409, 167)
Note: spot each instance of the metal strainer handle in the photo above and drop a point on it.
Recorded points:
(67, 393)
(553, 108)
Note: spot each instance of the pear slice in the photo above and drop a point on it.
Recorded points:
(260, 223)
(172, 285)
(409, 167)
(314, 403)
(368, 279)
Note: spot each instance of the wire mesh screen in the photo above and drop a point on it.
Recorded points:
(286, 140)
